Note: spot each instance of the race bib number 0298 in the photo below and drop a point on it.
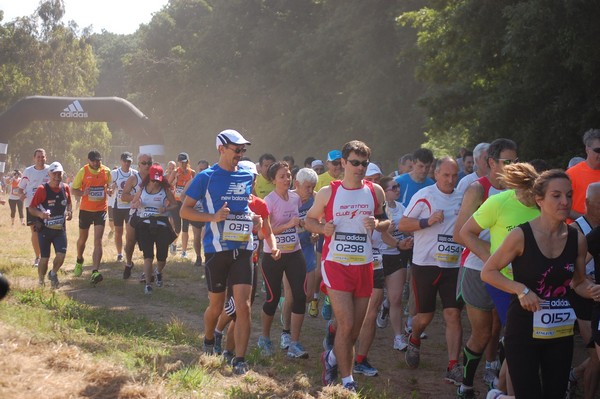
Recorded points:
(349, 248)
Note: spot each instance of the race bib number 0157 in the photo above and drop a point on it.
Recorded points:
(554, 320)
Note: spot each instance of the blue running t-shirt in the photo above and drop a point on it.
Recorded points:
(215, 186)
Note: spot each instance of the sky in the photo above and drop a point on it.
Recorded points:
(117, 16)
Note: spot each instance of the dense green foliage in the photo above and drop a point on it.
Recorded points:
(526, 70)
(301, 77)
(42, 56)
(298, 77)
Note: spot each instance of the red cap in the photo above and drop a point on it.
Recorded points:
(156, 173)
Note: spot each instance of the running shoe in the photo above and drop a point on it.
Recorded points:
(455, 375)
(326, 311)
(228, 356)
(408, 331)
(412, 357)
(198, 262)
(143, 278)
(489, 376)
(208, 349)
(183, 254)
(159, 280)
(383, 316)
(329, 337)
(96, 277)
(466, 394)
(494, 394)
(240, 368)
(41, 283)
(218, 348)
(400, 342)
(296, 351)
(284, 341)
(53, 277)
(173, 248)
(313, 308)
(365, 368)
(119, 258)
(351, 386)
(148, 290)
(330, 373)
(571, 385)
(127, 271)
(265, 346)
(78, 269)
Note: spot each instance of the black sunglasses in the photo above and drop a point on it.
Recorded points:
(146, 163)
(596, 150)
(237, 150)
(356, 162)
(336, 163)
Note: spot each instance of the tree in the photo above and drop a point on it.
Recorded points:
(518, 69)
(42, 56)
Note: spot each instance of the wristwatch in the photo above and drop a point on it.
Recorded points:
(522, 294)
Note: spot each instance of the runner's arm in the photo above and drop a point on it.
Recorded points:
(472, 200)
(316, 213)
(469, 234)
(126, 195)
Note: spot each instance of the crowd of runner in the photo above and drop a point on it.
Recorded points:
(513, 243)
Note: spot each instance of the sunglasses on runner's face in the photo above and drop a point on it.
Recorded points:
(237, 150)
(508, 161)
(148, 163)
(394, 188)
(336, 162)
(356, 162)
(596, 150)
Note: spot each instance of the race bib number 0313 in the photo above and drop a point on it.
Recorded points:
(237, 228)
(554, 320)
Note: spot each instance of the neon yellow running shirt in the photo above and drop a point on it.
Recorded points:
(500, 214)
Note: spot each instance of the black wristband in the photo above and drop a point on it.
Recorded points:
(423, 223)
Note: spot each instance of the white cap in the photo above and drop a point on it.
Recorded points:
(249, 166)
(230, 136)
(55, 167)
(372, 170)
(316, 162)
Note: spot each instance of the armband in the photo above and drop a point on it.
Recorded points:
(381, 216)
(423, 223)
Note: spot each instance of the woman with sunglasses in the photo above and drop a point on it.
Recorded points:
(548, 259)
(284, 205)
(153, 203)
(395, 261)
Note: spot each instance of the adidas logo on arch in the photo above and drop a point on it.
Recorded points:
(74, 110)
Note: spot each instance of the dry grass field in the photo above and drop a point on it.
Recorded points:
(112, 341)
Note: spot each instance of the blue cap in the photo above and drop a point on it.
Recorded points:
(333, 155)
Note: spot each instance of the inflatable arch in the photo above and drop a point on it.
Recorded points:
(114, 110)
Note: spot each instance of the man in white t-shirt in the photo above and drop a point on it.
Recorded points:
(480, 156)
(33, 177)
(121, 207)
(430, 215)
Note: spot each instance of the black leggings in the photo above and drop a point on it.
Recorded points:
(528, 359)
(14, 205)
(294, 267)
(179, 223)
(149, 236)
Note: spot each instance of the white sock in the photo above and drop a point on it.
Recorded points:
(331, 360)
(346, 380)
